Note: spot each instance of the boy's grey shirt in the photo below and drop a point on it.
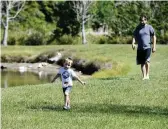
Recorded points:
(143, 34)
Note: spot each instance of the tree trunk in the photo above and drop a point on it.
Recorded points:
(5, 36)
(6, 26)
(83, 31)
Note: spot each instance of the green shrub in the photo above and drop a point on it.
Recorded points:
(77, 40)
(11, 41)
(120, 40)
(35, 38)
(163, 39)
(102, 39)
(91, 39)
(68, 39)
(21, 41)
(97, 39)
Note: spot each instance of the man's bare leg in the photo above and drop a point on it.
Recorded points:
(147, 66)
(143, 69)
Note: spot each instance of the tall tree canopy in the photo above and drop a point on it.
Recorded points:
(51, 20)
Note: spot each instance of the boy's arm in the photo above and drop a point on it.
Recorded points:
(83, 83)
(58, 75)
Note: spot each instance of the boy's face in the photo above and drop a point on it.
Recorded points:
(67, 64)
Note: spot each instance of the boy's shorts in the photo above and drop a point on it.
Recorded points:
(143, 56)
(67, 90)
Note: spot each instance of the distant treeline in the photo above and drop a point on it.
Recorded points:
(113, 22)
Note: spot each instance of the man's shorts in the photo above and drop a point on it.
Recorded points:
(67, 90)
(143, 56)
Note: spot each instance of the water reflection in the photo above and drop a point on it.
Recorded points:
(16, 78)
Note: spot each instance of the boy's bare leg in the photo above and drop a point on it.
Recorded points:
(68, 100)
(143, 69)
(147, 65)
(65, 104)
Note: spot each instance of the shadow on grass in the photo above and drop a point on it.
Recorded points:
(122, 109)
(47, 108)
(108, 108)
(117, 78)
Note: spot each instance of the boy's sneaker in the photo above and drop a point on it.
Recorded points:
(66, 107)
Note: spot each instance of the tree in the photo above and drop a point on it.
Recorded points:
(103, 13)
(81, 8)
(10, 9)
(67, 23)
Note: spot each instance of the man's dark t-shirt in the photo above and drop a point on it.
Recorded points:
(143, 36)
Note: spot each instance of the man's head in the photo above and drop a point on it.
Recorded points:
(143, 19)
(68, 63)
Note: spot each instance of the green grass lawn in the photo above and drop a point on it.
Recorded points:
(95, 52)
(117, 102)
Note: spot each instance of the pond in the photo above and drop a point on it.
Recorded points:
(16, 78)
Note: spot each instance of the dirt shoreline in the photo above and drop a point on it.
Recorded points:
(32, 67)
(36, 68)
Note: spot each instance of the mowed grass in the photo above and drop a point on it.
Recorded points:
(118, 102)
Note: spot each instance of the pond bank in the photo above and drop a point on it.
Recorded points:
(36, 68)
(32, 67)
(85, 65)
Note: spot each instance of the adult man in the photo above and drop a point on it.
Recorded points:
(144, 35)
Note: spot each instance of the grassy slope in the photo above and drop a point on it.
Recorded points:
(96, 52)
(123, 102)
(91, 53)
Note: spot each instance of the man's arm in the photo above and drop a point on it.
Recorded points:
(133, 43)
(154, 44)
(58, 75)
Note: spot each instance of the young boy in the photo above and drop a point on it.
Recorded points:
(67, 74)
